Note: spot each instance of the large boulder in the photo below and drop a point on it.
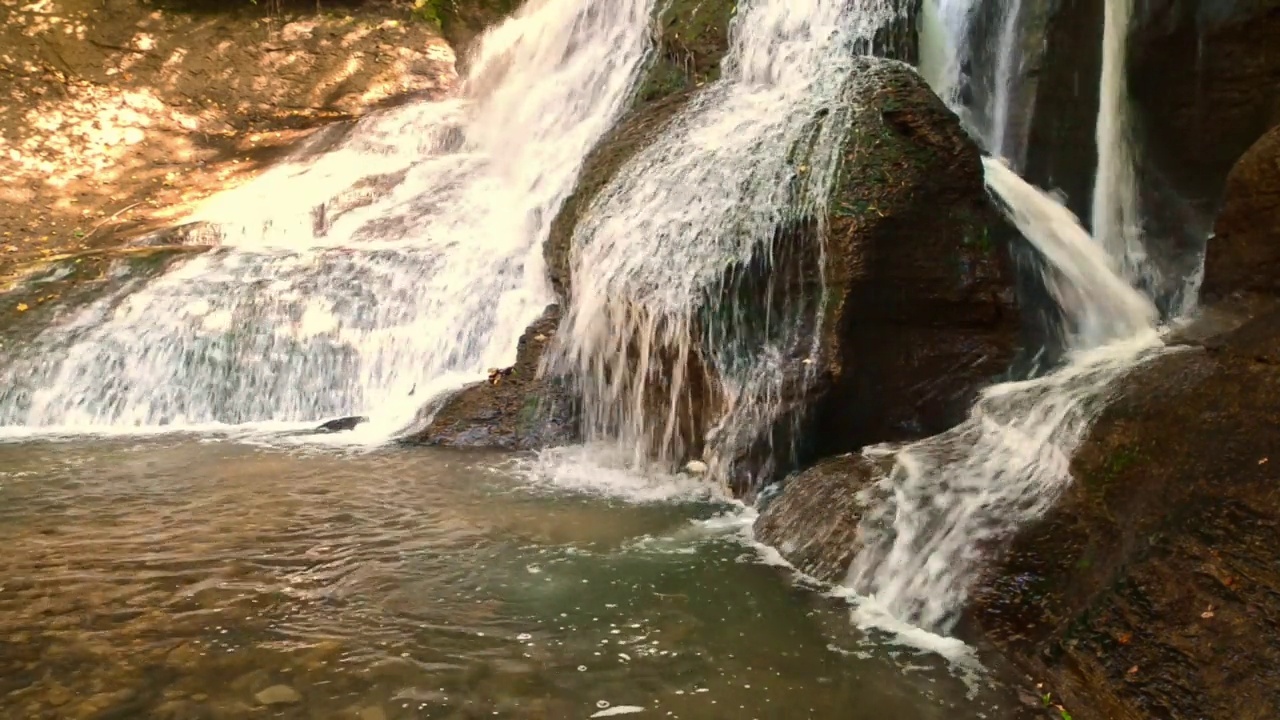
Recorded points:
(920, 310)
(1152, 589)
(515, 409)
(1244, 253)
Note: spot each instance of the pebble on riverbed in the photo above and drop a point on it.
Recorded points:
(278, 695)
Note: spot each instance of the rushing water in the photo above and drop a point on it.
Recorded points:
(657, 294)
(950, 498)
(361, 280)
(180, 577)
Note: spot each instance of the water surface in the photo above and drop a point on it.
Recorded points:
(178, 577)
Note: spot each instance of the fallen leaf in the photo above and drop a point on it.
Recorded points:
(1125, 638)
(1208, 613)
(1263, 461)
(22, 307)
(1133, 670)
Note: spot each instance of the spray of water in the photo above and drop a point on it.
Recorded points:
(681, 302)
(361, 280)
(948, 499)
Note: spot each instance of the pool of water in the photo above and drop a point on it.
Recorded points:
(182, 577)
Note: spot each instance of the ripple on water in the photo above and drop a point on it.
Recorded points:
(170, 577)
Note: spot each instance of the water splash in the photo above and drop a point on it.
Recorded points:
(948, 499)
(404, 261)
(684, 316)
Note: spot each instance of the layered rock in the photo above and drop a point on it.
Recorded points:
(813, 523)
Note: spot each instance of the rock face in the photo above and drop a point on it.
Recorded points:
(1244, 253)
(515, 410)
(1153, 588)
(814, 522)
(1205, 79)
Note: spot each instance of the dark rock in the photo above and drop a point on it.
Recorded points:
(1205, 80)
(516, 409)
(813, 523)
(1153, 588)
(920, 305)
(1244, 253)
(1062, 152)
(342, 424)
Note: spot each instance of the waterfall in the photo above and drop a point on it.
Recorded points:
(949, 498)
(403, 262)
(978, 82)
(1117, 220)
(946, 501)
(684, 314)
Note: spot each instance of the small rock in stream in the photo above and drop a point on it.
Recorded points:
(278, 695)
(341, 424)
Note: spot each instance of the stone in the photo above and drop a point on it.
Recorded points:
(813, 523)
(920, 310)
(278, 695)
(1244, 253)
(521, 411)
(373, 712)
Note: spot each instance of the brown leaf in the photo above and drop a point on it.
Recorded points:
(1133, 670)
(1125, 638)
(22, 307)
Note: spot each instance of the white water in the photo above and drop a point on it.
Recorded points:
(950, 498)
(306, 312)
(713, 192)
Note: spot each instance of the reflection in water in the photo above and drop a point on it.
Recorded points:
(177, 578)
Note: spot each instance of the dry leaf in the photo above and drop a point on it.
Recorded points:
(1208, 613)
(1133, 670)
(22, 307)
(1125, 638)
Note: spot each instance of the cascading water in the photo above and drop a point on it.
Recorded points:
(361, 280)
(1117, 219)
(662, 262)
(982, 93)
(948, 498)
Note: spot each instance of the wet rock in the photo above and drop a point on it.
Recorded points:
(181, 710)
(813, 523)
(1153, 588)
(373, 712)
(184, 657)
(920, 309)
(278, 695)
(1244, 253)
(1204, 76)
(516, 409)
(342, 424)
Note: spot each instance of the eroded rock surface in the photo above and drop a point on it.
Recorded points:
(813, 523)
(516, 409)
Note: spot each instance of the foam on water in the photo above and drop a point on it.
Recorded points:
(403, 262)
